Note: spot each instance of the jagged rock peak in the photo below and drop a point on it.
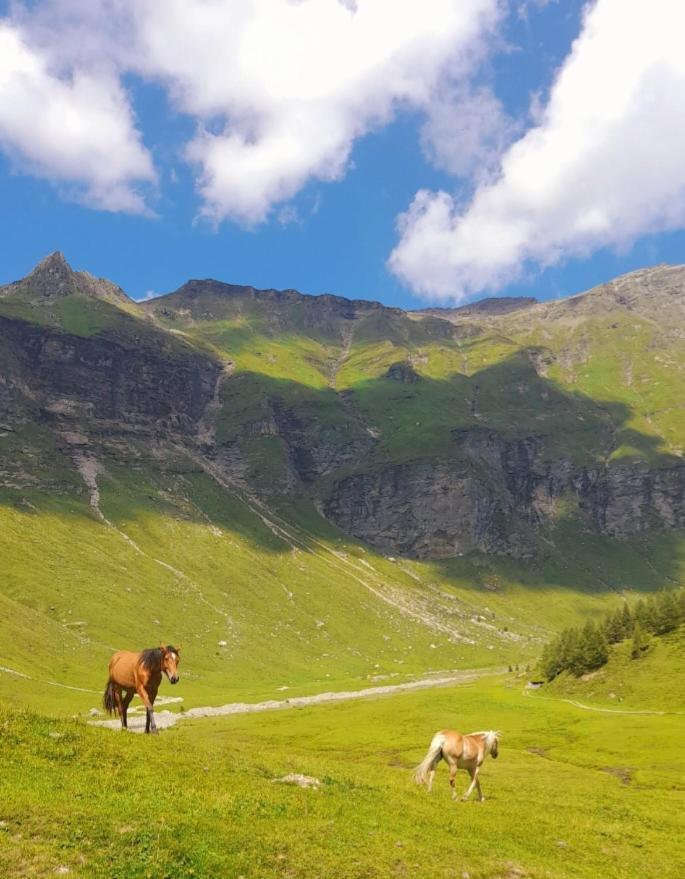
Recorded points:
(51, 274)
(53, 277)
(54, 262)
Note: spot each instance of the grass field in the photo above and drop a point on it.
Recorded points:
(574, 793)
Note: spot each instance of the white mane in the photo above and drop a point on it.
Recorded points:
(490, 736)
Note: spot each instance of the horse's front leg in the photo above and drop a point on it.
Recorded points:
(481, 798)
(150, 725)
(474, 780)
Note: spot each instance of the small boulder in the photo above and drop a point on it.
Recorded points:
(307, 781)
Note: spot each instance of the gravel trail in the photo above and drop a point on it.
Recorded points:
(166, 719)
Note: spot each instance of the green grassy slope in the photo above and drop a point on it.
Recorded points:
(260, 602)
(655, 681)
(599, 377)
(573, 794)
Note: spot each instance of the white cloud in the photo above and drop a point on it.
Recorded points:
(73, 127)
(279, 89)
(466, 130)
(602, 166)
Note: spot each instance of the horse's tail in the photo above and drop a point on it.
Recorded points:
(430, 761)
(108, 699)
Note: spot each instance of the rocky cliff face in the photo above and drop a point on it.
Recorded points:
(99, 381)
(498, 497)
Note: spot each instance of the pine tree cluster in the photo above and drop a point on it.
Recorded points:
(583, 650)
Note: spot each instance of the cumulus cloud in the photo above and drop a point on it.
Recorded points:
(282, 89)
(73, 127)
(602, 166)
(279, 89)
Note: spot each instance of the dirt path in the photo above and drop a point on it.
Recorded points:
(165, 719)
(576, 704)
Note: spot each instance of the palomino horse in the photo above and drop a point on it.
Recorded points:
(459, 752)
(139, 673)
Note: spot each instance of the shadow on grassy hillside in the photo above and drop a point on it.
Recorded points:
(416, 419)
(297, 441)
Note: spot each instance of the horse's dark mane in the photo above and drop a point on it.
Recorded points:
(152, 658)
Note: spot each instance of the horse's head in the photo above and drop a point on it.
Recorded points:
(170, 661)
(491, 740)
(494, 750)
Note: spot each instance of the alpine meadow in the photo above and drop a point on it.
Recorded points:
(342, 439)
(314, 497)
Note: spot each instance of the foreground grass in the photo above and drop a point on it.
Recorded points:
(574, 794)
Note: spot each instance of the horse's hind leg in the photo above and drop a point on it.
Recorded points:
(119, 706)
(431, 772)
(127, 701)
(453, 777)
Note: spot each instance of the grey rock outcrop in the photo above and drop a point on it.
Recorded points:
(498, 496)
(101, 381)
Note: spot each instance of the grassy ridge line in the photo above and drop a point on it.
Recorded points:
(572, 796)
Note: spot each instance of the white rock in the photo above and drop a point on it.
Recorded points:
(307, 781)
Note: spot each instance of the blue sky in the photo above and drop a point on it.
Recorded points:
(158, 218)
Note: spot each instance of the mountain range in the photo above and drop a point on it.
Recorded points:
(441, 459)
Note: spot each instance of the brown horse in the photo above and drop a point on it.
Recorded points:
(459, 752)
(139, 673)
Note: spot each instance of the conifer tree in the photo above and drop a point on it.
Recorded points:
(640, 641)
(613, 627)
(626, 621)
(644, 614)
(582, 650)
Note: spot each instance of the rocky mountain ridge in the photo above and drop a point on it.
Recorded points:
(420, 435)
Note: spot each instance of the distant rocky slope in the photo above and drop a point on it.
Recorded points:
(494, 305)
(430, 434)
